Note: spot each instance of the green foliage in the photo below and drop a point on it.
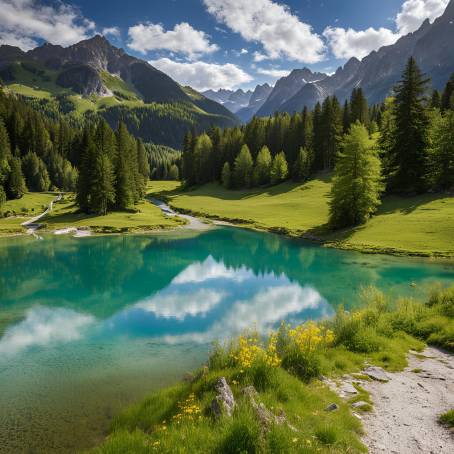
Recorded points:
(242, 172)
(15, 185)
(279, 168)
(102, 184)
(411, 131)
(447, 418)
(441, 152)
(357, 181)
(35, 172)
(303, 165)
(226, 176)
(262, 169)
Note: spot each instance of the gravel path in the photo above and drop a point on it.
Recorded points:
(406, 408)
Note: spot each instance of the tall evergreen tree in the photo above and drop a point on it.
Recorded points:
(5, 153)
(243, 168)
(279, 168)
(412, 122)
(331, 131)
(303, 165)
(355, 194)
(226, 176)
(35, 173)
(102, 184)
(262, 169)
(125, 188)
(446, 98)
(435, 102)
(346, 117)
(16, 186)
(359, 110)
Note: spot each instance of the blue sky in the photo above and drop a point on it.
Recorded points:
(222, 43)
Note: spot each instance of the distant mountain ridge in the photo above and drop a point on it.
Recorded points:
(258, 98)
(93, 74)
(233, 100)
(431, 45)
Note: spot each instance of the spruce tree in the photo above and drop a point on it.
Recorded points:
(441, 152)
(346, 117)
(188, 173)
(357, 183)
(226, 176)
(306, 129)
(279, 168)
(412, 122)
(103, 184)
(86, 171)
(359, 110)
(16, 186)
(125, 189)
(262, 169)
(303, 165)
(35, 172)
(435, 101)
(317, 140)
(5, 154)
(331, 131)
(243, 168)
(2, 197)
(446, 97)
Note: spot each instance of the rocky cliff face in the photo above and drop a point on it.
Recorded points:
(431, 45)
(258, 98)
(230, 99)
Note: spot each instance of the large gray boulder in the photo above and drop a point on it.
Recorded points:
(224, 402)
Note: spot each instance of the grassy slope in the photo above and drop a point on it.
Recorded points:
(148, 217)
(31, 204)
(381, 333)
(421, 224)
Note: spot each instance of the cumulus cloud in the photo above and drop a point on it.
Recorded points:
(179, 304)
(111, 31)
(351, 43)
(209, 269)
(183, 39)
(346, 43)
(280, 32)
(203, 76)
(43, 326)
(273, 72)
(22, 22)
(414, 12)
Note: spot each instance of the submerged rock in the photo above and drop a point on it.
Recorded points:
(224, 402)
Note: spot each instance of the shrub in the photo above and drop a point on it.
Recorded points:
(365, 340)
(443, 300)
(302, 364)
(448, 418)
(243, 435)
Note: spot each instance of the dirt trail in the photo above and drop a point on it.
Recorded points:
(406, 408)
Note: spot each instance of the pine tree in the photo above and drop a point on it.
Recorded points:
(317, 141)
(5, 153)
(346, 117)
(412, 122)
(446, 97)
(125, 188)
(359, 110)
(303, 165)
(355, 194)
(243, 168)
(2, 197)
(441, 152)
(15, 186)
(279, 168)
(103, 184)
(35, 172)
(435, 102)
(306, 129)
(188, 159)
(86, 171)
(331, 131)
(174, 173)
(262, 169)
(226, 176)
(203, 159)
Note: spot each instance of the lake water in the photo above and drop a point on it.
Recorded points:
(88, 326)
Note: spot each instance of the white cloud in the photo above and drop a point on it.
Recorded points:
(182, 39)
(22, 22)
(243, 51)
(203, 76)
(180, 304)
(414, 12)
(112, 31)
(351, 43)
(281, 33)
(209, 269)
(346, 43)
(273, 72)
(43, 326)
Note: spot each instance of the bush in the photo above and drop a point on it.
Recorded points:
(365, 340)
(448, 418)
(443, 300)
(305, 366)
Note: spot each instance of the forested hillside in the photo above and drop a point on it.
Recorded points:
(404, 145)
(94, 78)
(107, 169)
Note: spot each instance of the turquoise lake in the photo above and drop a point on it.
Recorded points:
(90, 325)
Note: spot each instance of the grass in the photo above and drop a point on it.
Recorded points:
(284, 369)
(417, 225)
(144, 217)
(19, 210)
(448, 418)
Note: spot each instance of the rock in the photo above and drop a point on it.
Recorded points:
(224, 402)
(376, 373)
(360, 404)
(332, 407)
(346, 389)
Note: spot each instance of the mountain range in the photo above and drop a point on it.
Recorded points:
(94, 76)
(431, 45)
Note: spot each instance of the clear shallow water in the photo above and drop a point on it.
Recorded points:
(89, 325)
